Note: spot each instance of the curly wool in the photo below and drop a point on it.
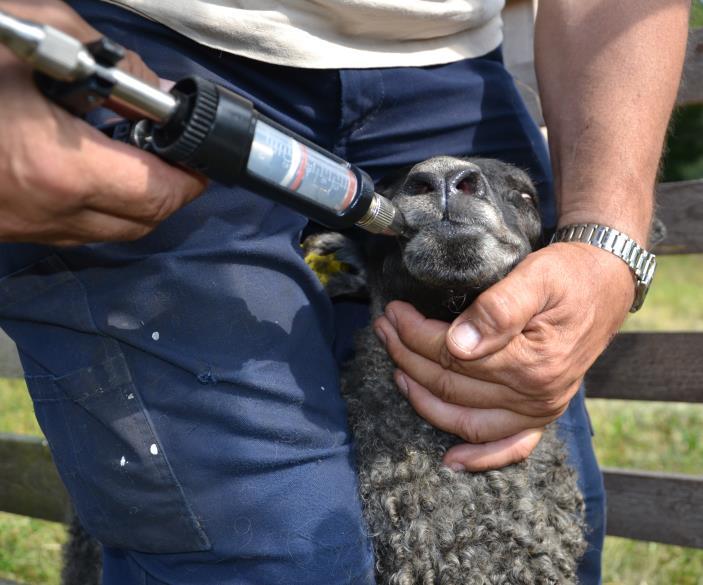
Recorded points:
(521, 525)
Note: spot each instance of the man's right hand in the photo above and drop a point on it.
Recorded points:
(63, 182)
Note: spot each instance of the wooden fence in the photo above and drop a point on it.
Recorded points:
(659, 507)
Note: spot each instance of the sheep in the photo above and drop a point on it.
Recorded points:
(472, 220)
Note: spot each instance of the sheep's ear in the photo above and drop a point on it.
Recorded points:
(657, 232)
(339, 264)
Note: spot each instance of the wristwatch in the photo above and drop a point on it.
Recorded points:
(641, 262)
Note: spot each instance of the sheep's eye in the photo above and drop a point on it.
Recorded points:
(516, 195)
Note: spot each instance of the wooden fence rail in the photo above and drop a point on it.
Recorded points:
(650, 366)
(657, 507)
(29, 482)
(680, 209)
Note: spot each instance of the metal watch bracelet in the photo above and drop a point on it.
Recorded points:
(641, 262)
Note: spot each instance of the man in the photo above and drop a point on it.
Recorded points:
(186, 380)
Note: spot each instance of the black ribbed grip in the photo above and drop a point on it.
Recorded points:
(211, 130)
(189, 127)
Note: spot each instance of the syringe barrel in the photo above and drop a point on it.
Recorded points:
(220, 134)
(278, 158)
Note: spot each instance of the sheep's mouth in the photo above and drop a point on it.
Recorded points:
(412, 228)
(459, 256)
(476, 234)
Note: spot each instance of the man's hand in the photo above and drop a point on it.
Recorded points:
(512, 361)
(608, 74)
(63, 182)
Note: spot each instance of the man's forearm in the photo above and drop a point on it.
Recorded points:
(608, 72)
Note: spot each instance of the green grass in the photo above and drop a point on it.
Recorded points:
(650, 436)
(675, 302)
(17, 414)
(696, 14)
(627, 562)
(29, 549)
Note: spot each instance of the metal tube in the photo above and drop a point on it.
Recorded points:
(142, 98)
(65, 58)
(20, 36)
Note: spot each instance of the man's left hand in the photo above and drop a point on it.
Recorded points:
(512, 361)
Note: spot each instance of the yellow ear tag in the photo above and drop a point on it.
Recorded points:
(324, 266)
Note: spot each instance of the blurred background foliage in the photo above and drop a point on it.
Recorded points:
(684, 158)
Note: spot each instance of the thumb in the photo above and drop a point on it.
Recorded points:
(498, 314)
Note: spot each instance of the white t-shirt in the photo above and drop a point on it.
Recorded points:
(322, 34)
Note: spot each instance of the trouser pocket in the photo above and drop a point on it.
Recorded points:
(104, 446)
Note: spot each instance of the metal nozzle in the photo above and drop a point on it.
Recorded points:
(382, 217)
(49, 50)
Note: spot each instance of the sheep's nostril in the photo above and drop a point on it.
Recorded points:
(421, 189)
(465, 182)
(466, 186)
(418, 186)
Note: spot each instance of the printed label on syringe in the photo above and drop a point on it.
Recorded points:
(280, 159)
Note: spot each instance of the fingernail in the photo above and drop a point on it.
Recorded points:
(402, 384)
(380, 334)
(392, 318)
(466, 336)
(458, 467)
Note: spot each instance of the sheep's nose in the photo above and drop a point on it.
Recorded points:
(419, 183)
(465, 181)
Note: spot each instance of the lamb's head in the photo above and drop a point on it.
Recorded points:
(470, 221)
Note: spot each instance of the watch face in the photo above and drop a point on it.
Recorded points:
(644, 282)
(648, 270)
(641, 290)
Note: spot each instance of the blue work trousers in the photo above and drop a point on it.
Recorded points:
(188, 383)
